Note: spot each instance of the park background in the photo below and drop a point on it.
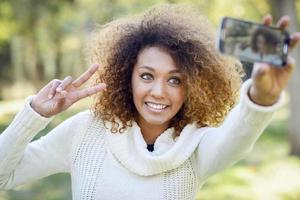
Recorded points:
(41, 40)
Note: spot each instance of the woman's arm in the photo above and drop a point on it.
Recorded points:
(225, 145)
(260, 97)
(22, 161)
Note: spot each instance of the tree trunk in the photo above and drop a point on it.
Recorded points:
(279, 8)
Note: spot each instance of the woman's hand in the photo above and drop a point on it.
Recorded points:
(269, 81)
(59, 95)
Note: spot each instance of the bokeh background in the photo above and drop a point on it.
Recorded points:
(41, 40)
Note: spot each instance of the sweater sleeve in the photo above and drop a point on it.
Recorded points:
(22, 161)
(223, 146)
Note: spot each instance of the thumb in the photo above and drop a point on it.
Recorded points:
(290, 65)
(261, 80)
(260, 70)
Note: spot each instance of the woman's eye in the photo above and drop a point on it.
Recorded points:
(146, 76)
(175, 80)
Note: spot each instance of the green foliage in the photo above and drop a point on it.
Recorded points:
(55, 32)
(55, 187)
(275, 179)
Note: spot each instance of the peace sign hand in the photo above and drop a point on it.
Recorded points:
(269, 81)
(59, 95)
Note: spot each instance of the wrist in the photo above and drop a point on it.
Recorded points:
(35, 108)
(260, 98)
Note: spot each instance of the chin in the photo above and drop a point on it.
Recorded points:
(156, 120)
(157, 123)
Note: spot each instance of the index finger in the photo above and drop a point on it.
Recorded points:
(85, 76)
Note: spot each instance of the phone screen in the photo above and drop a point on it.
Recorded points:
(253, 42)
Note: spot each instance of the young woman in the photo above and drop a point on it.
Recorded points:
(157, 128)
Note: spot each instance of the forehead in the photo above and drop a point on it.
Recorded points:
(156, 58)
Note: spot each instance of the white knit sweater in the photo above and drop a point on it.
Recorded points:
(118, 166)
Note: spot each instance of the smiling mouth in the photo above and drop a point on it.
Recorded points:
(156, 107)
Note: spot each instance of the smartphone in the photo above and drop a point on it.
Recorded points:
(253, 42)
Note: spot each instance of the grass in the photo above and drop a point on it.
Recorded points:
(267, 173)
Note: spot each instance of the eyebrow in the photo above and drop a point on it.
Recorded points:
(151, 69)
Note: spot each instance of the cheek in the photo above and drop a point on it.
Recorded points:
(138, 90)
(178, 97)
(137, 93)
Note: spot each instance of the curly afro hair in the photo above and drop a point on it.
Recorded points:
(212, 80)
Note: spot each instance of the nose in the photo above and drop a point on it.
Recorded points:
(157, 89)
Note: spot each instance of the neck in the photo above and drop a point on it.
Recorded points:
(151, 132)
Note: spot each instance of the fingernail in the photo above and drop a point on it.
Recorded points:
(64, 93)
(96, 65)
(59, 89)
(50, 96)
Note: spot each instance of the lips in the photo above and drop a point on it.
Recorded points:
(156, 107)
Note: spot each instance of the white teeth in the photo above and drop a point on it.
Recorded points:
(156, 106)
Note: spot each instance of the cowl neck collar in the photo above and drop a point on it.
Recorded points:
(130, 149)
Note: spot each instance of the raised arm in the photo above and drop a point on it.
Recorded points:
(223, 146)
(21, 161)
(260, 97)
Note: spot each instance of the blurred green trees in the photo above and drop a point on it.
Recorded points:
(41, 40)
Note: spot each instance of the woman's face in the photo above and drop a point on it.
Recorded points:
(157, 87)
(261, 44)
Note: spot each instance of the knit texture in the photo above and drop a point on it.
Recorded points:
(110, 166)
